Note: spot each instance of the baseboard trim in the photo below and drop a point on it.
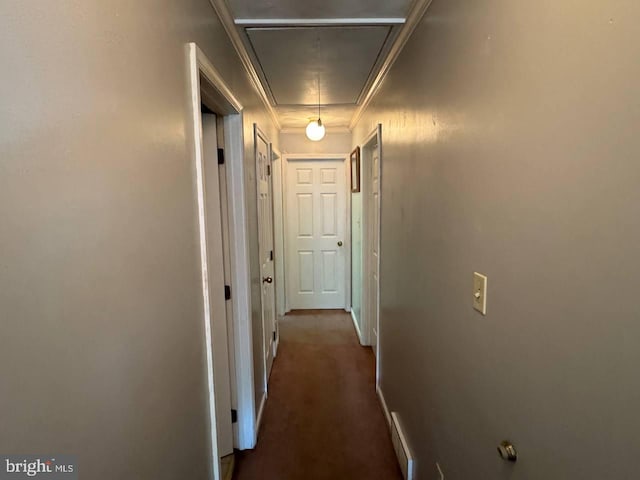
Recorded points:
(383, 402)
(357, 327)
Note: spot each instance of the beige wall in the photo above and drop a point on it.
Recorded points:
(297, 142)
(101, 346)
(511, 147)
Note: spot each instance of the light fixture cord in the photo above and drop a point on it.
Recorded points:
(318, 66)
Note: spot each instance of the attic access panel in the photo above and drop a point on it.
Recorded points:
(293, 58)
(283, 9)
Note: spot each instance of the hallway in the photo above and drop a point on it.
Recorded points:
(323, 419)
(462, 176)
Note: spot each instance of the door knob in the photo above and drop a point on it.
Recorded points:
(340, 243)
(507, 451)
(267, 280)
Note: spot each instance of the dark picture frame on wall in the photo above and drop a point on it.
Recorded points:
(355, 170)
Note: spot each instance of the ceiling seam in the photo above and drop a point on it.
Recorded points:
(259, 62)
(224, 14)
(418, 10)
(375, 65)
(317, 22)
(354, 72)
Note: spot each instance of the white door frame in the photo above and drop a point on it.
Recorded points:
(375, 137)
(278, 239)
(282, 227)
(219, 95)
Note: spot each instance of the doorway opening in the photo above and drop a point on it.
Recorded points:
(218, 254)
(221, 218)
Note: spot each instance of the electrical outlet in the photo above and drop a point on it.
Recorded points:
(480, 292)
(441, 477)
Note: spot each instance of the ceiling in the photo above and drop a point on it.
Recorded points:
(337, 46)
(288, 9)
(293, 60)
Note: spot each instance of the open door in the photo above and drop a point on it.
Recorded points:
(265, 238)
(215, 247)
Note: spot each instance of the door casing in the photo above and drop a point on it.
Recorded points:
(371, 312)
(207, 86)
(278, 240)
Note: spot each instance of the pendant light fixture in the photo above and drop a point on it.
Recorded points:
(315, 129)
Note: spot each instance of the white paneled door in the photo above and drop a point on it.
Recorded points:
(265, 239)
(316, 249)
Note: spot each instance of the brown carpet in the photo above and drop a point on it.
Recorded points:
(322, 420)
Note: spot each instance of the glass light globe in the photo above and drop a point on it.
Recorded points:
(315, 130)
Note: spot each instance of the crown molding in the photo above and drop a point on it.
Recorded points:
(317, 22)
(224, 14)
(389, 41)
(418, 9)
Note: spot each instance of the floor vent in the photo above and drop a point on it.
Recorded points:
(405, 459)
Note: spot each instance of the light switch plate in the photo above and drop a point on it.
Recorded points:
(480, 292)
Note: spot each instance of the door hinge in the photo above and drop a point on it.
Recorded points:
(271, 255)
(227, 292)
(234, 415)
(268, 169)
(274, 336)
(221, 156)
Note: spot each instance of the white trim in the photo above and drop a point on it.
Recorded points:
(356, 326)
(278, 230)
(380, 183)
(418, 9)
(364, 311)
(383, 402)
(389, 42)
(199, 167)
(348, 239)
(277, 171)
(210, 72)
(287, 157)
(226, 18)
(238, 242)
(316, 22)
(263, 402)
(376, 135)
(240, 280)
